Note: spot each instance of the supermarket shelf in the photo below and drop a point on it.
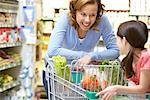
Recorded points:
(139, 14)
(47, 19)
(10, 65)
(110, 10)
(7, 6)
(11, 85)
(4, 45)
(5, 25)
(9, 1)
(43, 42)
(47, 33)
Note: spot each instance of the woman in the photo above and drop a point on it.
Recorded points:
(131, 38)
(78, 31)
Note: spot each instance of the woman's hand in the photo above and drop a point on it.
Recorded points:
(84, 60)
(108, 93)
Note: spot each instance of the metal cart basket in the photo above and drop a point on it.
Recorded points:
(71, 87)
(61, 89)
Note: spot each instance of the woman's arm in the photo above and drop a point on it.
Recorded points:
(57, 39)
(112, 51)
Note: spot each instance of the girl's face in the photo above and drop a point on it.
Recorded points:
(123, 45)
(86, 16)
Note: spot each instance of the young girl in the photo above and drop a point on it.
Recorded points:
(131, 38)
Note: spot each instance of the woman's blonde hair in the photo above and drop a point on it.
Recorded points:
(77, 5)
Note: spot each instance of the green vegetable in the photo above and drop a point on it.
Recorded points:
(60, 63)
(115, 72)
(103, 65)
(105, 62)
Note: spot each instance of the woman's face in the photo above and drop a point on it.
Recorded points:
(86, 16)
(123, 45)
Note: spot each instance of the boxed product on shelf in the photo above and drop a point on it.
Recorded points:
(10, 35)
(7, 79)
(9, 59)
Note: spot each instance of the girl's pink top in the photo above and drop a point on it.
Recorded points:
(143, 64)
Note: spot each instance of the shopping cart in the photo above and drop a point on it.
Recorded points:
(59, 88)
(74, 86)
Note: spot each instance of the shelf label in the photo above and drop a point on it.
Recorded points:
(28, 35)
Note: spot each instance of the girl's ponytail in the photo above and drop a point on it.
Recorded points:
(127, 64)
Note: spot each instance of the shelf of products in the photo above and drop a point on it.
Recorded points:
(140, 7)
(9, 65)
(10, 47)
(116, 4)
(10, 1)
(4, 45)
(8, 7)
(10, 85)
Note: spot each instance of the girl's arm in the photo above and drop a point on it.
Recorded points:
(143, 87)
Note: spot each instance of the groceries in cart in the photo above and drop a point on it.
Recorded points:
(61, 70)
(98, 77)
(91, 78)
(77, 74)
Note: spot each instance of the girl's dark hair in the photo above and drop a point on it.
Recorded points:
(136, 33)
(78, 4)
